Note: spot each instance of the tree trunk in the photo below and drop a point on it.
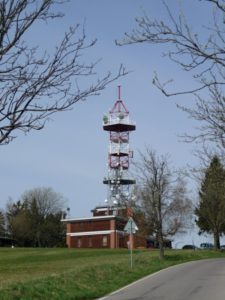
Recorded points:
(160, 231)
(216, 240)
(161, 246)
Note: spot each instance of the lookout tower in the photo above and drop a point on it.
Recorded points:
(117, 122)
(106, 228)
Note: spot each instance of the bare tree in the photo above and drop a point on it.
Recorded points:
(46, 199)
(2, 223)
(163, 196)
(201, 55)
(35, 220)
(32, 85)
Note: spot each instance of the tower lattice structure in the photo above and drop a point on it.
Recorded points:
(117, 122)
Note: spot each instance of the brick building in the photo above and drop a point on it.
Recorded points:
(105, 229)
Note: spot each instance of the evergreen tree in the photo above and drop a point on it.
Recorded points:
(211, 207)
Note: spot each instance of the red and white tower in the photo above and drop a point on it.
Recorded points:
(117, 122)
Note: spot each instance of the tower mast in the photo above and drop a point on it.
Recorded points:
(117, 122)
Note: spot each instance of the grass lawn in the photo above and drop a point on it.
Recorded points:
(80, 274)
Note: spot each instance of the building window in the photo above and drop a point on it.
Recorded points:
(104, 241)
(79, 243)
(90, 225)
(89, 241)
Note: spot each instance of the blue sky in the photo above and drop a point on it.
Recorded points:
(70, 154)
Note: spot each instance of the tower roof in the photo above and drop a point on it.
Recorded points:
(118, 118)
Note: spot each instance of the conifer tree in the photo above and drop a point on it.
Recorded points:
(211, 208)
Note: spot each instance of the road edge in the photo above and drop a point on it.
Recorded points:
(150, 275)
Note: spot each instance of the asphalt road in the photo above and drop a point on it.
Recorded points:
(199, 280)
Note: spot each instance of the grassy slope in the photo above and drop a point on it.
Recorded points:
(79, 274)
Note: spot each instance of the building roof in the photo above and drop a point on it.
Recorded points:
(89, 218)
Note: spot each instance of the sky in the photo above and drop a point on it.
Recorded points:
(70, 153)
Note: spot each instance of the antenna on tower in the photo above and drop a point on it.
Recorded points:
(119, 92)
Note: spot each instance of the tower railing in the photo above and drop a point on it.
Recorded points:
(120, 119)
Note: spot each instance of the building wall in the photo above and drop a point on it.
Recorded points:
(93, 241)
(69, 241)
(100, 241)
(115, 239)
(90, 234)
(92, 225)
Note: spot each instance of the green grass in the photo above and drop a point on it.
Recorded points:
(80, 274)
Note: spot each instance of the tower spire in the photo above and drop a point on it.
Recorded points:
(119, 92)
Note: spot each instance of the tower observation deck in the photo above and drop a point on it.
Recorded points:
(117, 122)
